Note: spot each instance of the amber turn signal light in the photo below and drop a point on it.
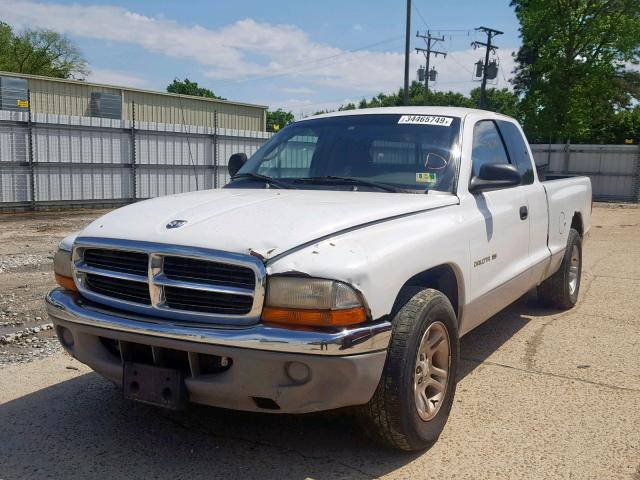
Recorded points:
(316, 318)
(66, 282)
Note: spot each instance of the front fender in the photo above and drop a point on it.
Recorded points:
(380, 259)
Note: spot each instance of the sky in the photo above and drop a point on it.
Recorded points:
(301, 56)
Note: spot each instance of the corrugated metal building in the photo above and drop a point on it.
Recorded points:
(78, 98)
(80, 144)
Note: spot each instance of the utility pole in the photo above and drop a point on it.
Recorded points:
(489, 48)
(407, 49)
(430, 41)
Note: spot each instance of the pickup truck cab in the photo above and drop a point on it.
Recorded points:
(338, 268)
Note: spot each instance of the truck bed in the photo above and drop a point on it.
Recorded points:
(564, 197)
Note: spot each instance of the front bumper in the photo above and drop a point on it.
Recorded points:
(297, 371)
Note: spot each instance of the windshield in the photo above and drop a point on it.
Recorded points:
(393, 152)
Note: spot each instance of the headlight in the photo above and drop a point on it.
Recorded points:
(312, 301)
(62, 267)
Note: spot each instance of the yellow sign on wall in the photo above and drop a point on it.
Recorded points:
(23, 103)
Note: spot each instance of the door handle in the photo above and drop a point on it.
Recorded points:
(524, 212)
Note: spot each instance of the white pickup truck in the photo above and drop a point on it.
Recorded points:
(339, 267)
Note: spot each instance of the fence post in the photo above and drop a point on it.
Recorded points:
(134, 179)
(567, 156)
(636, 177)
(215, 149)
(32, 180)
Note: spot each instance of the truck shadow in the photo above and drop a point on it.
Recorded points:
(487, 338)
(83, 428)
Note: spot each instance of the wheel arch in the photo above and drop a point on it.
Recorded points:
(446, 278)
(577, 223)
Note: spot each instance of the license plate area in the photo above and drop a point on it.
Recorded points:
(153, 385)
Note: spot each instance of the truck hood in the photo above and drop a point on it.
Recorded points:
(267, 222)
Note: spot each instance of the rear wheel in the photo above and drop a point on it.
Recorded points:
(412, 402)
(562, 288)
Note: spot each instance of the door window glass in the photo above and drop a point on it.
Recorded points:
(487, 146)
(518, 151)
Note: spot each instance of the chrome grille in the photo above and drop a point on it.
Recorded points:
(117, 260)
(181, 283)
(189, 269)
(127, 290)
(210, 302)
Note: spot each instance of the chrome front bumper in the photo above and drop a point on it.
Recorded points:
(296, 371)
(70, 307)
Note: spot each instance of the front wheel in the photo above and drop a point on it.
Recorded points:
(411, 405)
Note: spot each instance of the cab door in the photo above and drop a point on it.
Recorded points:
(499, 240)
(535, 196)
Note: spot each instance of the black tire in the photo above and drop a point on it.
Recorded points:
(556, 290)
(391, 416)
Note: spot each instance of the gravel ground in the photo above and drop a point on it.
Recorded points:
(541, 393)
(27, 245)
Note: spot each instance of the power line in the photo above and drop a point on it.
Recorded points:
(502, 69)
(420, 15)
(460, 64)
(317, 64)
(430, 41)
(292, 70)
(456, 82)
(439, 29)
(489, 48)
(452, 32)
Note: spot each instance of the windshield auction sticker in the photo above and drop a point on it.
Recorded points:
(426, 120)
(426, 177)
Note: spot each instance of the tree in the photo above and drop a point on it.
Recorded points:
(6, 38)
(501, 101)
(348, 106)
(187, 87)
(40, 52)
(498, 100)
(624, 127)
(278, 119)
(572, 67)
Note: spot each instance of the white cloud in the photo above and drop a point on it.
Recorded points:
(297, 90)
(242, 51)
(357, 27)
(112, 77)
(117, 24)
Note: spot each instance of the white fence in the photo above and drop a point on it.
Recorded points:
(56, 160)
(614, 169)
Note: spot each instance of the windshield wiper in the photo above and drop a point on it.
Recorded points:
(263, 178)
(352, 181)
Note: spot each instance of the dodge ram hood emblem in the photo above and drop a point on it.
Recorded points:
(176, 223)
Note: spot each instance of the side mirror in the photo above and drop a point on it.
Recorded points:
(493, 176)
(236, 161)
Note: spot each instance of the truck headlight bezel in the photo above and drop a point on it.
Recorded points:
(293, 300)
(63, 268)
